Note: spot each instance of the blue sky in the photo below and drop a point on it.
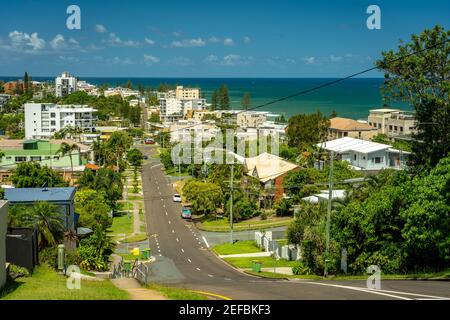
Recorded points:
(206, 38)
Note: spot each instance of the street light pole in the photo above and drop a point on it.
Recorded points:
(330, 197)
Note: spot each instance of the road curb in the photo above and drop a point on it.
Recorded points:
(229, 264)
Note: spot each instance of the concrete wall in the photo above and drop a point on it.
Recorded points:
(3, 227)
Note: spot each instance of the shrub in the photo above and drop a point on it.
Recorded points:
(17, 271)
(49, 257)
(301, 269)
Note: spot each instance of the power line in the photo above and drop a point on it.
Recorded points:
(324, 85)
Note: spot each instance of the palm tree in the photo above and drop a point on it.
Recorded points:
(67, 149)
(43, 215)
(48, 220)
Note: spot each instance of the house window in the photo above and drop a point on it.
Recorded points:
(35, 158)
(20, 159)
(53, 123)
(390, 128)
(53, 115)
(401, 129)
(395, 128)
(377, 159)
(354, 157)
(8, 158)
(345, 134)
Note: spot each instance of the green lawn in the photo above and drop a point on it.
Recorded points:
(46, 284)
(236, 248)
(122, 225)
(177, 293)
(135, 238)
(174, 172)
(267, 262)
(222, 224)
(134, 197)
(126, 206)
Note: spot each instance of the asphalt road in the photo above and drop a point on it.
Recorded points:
(183, 259)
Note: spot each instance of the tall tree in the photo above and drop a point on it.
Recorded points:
(67, 149)
(26, 82)
(32, 175)
(306, 130)
(214, 100)
(418, 73)
(224, 98)
(246, 101)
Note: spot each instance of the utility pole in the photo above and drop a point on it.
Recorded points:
(330, 197)
(231, 203)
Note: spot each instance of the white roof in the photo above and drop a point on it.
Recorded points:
(267, 166)
(351, 144)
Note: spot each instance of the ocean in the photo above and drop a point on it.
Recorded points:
(352, 98)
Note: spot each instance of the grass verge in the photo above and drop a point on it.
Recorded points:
(267, 262)
(122, 225)
(223, 225)
(176, 293)
(236, 248)
(46, 284)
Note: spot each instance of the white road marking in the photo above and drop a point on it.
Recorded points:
(358, 289)
(182, 250)
(206, 242)
(227, 279)
(166, 213)
(210, 275)
(170, 222)
(160, 255)
(177, 240)
(189, 260)
(198, 269)
(173, 231)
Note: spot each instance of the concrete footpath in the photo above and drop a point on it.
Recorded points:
(136, 291)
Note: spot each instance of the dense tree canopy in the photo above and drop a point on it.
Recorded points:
(305, 130)
(422, 80)
(33, 175)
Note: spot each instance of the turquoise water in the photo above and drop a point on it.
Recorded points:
(351, 98)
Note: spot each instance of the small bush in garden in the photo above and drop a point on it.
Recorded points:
(301, 269)
(17, 271)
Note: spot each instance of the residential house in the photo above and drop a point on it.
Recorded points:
(270, 170)
(3, 228)
(12, 87)
(187, 93)
(251, 119)
(344, 127)
(366, 155)
(323, 196)
(62, 198)
(392, 122)
(42, 120)
(43, 152)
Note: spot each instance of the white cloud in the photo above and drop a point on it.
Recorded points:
(211, 59)
(22, 40)
(58, 42)
(199, 42)
(115, 41)
(117, 60)
(100, 28)
(69, 59)
(149, 41)
(228, 42)
(214, 40)
(334, 58)
(228, 60)
(181, 61)
(149, 59)
(176, 34)
(246, 40)
(309, 60)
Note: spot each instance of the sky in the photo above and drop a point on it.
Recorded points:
(228, 38)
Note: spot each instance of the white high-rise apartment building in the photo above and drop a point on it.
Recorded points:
(65, 84)
(42, 120)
